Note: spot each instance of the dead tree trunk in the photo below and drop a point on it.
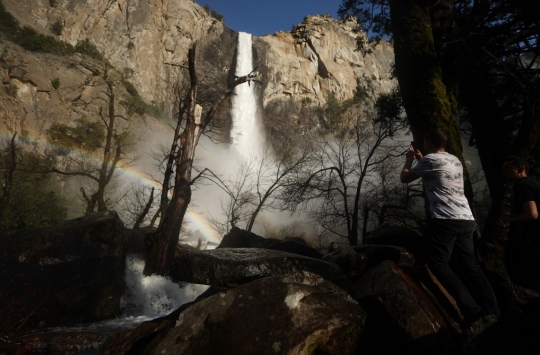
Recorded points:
(165, 239)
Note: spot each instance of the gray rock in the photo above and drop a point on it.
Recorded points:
(58, 343)
(401, 317)
(232, 267)
(358, 259)
(239, 238)
(279, 315)
(65, 274)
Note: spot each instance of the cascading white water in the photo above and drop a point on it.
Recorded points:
(154, 296)
(245, 133)
(145, 298)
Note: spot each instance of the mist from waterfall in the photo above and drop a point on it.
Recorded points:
(245, 133)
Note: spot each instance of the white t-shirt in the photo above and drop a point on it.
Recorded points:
(443, 174)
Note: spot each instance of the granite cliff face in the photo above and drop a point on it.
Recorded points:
(302, 68)
(150, 39)
(319, 57)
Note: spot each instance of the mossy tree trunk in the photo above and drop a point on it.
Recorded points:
(427, 100)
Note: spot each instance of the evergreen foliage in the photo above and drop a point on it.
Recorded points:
(84, 135)
(28, 38)
(11, 90)
(33, 200)
(135, 104)
(130, 88)
(213, 13)
(57, 27)
(87, 48)
(55, 83)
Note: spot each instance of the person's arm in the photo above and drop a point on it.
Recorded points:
(407, 175)
(530, 213)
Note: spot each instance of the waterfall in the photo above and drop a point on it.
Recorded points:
(245, 133)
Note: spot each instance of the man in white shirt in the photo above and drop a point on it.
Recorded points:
(451, 227)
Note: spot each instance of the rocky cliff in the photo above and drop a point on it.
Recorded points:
(150, 39)
(301, 68)
(147, 39)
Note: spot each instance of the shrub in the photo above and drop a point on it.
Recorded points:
(55, 83)
(131, 45)
(8, 24)
(360, 94)
(87, 48)
(57, 27)
(28, 38)
(32, 202)
(135, 104)
(130, 88)
(12, 90)
(306, 101)
(213, 13)
(86, 135)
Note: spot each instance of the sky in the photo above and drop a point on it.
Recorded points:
(260, 17)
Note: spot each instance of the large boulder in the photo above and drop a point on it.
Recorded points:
(239, 238)
(358, 259)
(233, 267)
(134, 341)
(401, 317)
(297, 314)
(407, 238)
(65, 274)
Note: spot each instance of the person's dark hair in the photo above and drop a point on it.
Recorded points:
(517, 162)
(437, 136)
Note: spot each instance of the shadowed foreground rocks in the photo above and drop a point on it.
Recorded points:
(67, 274)
(239, 238)
(296, 314)
(361, 258)
(53, 343)
(369, 300)
(402, 318)
(232, 267)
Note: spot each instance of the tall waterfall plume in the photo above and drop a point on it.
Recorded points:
(246, 133)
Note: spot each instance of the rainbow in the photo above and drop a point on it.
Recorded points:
(195, 218)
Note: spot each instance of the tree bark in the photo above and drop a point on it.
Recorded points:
(426, 99)
(166, 238)
(8, 177)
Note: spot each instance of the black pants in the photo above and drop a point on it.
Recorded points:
(453, 239)
(522, 253)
